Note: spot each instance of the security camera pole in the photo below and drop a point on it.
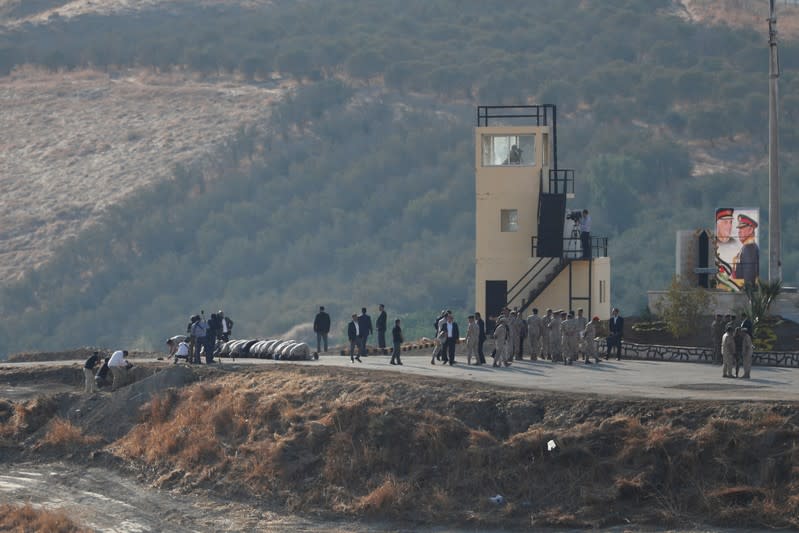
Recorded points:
(774, 234)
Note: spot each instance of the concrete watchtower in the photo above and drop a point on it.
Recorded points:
(521, 254)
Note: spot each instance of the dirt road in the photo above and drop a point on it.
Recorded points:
(103, 500)
(624, 379)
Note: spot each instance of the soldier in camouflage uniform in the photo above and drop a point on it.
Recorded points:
(582, 322)
(546, 325)
(472, 332)
(589, 346)
(534, 334)
(569, 334)
(555, 335)
(501, 339)
(513, 332)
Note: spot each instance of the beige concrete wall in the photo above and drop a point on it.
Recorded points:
(556, 295)
(508, 255)
(505, 255)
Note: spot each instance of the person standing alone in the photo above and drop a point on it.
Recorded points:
(396, 338)
(321, 326)
(616, 329)
(381, 327)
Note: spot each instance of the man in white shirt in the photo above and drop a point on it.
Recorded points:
(452, 338)
(182, 351)
(119, 365)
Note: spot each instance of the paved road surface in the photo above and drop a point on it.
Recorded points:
(642, 379)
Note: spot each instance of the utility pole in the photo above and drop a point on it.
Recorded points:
(774, 233)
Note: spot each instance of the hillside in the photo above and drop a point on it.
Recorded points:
(749, 14)
(16, 12)
(74, 144)
(358, 188)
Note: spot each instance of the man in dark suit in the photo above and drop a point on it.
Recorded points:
(364, 329)
(321, 326)
(616, 329)
(355, 338)
(746, 264)
(381, 327)
(452, 338)
(481, 338)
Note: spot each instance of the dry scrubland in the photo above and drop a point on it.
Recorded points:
(73, 144)
(45, 9)
(380, 445)
(27, 519)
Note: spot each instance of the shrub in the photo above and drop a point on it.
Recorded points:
(24, 518)
(683, 307)
(63, 435)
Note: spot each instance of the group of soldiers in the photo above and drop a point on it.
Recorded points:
(558, 336)
(732, 344)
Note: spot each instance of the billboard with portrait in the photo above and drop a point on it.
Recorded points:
(737, 247)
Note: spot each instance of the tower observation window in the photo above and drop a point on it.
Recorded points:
(509, 220)
(502, 150)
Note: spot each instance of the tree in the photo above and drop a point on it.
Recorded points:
(683, 306)
(759, 297)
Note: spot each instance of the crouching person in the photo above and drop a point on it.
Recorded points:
(119, 366)
(182, 351)
(101, 379)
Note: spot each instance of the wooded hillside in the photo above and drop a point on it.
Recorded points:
(359, 188)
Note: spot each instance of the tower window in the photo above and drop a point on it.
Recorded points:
(502, 150)
(509, 220)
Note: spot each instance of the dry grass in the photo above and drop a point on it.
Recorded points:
(65, 437)
(75, 8)
(22, 419)
(314, 440)
(27, 519)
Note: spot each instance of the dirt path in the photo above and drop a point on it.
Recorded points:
(623, 379)
(102, 499)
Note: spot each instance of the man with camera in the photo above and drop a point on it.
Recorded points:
(585, 234)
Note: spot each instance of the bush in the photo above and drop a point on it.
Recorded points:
(683, 307)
